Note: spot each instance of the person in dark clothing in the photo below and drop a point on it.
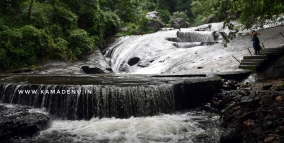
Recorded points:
(255, 42)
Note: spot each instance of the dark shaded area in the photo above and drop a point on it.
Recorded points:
(192, 95)
(180, 75)
(133, 61)
(173, 39)
(234, 75)
(21, 70)
(274, 71)
(92, 70)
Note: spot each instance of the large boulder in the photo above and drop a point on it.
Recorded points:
(153, 15)
(179, 23)
(155, 25)
(231, 136)
(155, 22)
(18, 122)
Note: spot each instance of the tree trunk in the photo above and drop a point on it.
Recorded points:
(30, 8)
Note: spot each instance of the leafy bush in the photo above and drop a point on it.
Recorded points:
(142, 23)
(21, 47)
(65, 18)
(180, 14)
(61, 51)
(112, 23)
(200, 19)
(42, 15)
(165, 15)
(80, 43)
(54, 30)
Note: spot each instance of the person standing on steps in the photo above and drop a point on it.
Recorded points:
(255, 42)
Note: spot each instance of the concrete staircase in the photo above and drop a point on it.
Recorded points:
(258, 62)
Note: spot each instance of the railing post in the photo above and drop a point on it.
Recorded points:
(249, 52)
(236, 59)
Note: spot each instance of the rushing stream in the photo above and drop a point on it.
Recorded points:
(160, 52)
(187, 127)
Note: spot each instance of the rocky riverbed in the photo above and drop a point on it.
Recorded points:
(252, 111)
(18, 122)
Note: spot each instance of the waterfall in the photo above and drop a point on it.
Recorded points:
(132, 97)
(197, 36)
(88, 101)
(161, 50)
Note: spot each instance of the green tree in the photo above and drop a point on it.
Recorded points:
(258, 12)
(181, 14)
(184, 5)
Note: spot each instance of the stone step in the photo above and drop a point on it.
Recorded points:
(253, 60)
(250, 63)
(264, 57)
(274, 49)
(258, 62)
(249, 67)
(269, 53)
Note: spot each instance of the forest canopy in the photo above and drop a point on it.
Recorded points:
(34, 31)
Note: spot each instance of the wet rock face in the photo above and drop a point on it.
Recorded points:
(17, 122)
(153, 15)
(155, 25)
(145, 63)
(155, 22)
(179, 23)
(231, 136)
(249, 113)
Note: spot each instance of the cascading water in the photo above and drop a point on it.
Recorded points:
(197, 36)
(103, 105)
(170, 51)
(90, 101)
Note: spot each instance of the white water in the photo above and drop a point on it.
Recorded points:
(185, 127)
(161, 56)
(197, 36)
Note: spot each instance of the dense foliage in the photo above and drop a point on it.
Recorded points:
(33, 31)
(205, 11)
(258, 12)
